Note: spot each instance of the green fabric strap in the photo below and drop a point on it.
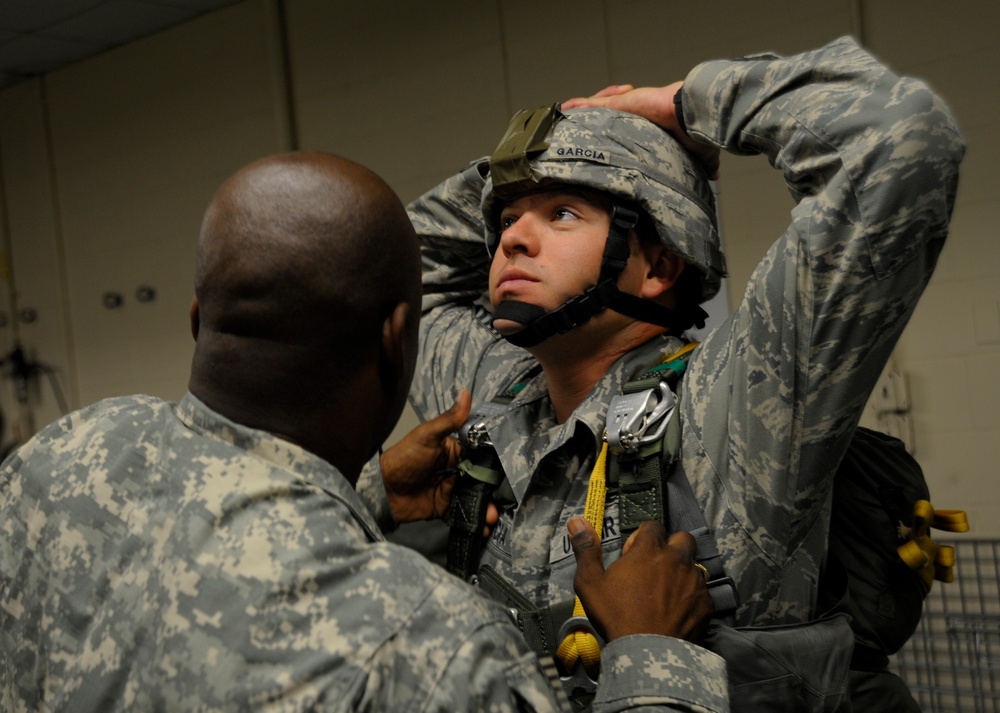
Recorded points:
(484, 473)
(640, 488)
(641, 494)
(538, 626)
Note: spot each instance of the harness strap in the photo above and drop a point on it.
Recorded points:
(580, 644)
(645, 494)
(466, 517)
(481, 475)
(641, 494)
(538, 626)
(685, 514)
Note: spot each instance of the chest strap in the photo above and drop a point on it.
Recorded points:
(480, 476)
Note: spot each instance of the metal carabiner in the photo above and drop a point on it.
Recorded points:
(660, 415)
(473, 433)
(631, 415)
(578, 681)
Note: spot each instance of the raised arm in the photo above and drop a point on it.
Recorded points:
(871, 160)
(455, 331)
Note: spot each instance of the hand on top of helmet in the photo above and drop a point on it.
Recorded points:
(657, 105)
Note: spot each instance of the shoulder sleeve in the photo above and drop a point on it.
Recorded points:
(493, 671)
(659, 673)
(450, 226)
(371, 490)
(455, 332)
(871, 160)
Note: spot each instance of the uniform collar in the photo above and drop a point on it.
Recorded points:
(527, 432)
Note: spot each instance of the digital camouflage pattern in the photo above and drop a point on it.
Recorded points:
(156, 556)
(772, 395)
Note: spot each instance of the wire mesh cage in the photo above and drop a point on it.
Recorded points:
(952, 662)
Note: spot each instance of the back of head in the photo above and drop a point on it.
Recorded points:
(623, 155)
(301, 259)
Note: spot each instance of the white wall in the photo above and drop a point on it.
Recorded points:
(107, 166)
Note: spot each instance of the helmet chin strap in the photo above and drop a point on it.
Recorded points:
(539, 325)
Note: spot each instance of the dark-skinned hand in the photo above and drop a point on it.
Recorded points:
(417, 470)
(654, 588)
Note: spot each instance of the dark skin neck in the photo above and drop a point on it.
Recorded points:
(286, 396)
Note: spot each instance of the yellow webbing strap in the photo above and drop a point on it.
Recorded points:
(580, 644)
(689, 347)
(929, 559)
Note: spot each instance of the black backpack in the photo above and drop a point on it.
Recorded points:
(879, 533)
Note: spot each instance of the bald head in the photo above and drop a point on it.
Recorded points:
(302, 259)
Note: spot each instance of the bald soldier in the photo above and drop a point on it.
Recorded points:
(212, 554)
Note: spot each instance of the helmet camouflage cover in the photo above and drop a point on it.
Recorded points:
(621, 154)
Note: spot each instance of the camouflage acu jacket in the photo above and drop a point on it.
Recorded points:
(771, 396)
(156, 556)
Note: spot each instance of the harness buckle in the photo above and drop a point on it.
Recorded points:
(630, 416)
(578, 681)
(473, 433)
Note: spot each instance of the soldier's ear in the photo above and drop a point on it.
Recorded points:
(665, 267)
(195, 319)
(396, 350)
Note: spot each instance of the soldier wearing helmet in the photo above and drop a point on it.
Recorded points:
(602, 242)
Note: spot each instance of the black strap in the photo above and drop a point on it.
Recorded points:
(616, 249)
(471, 495)
(539, 325)
(538, 625)
(466, 518)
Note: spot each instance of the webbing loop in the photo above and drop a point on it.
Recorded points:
(921, 554)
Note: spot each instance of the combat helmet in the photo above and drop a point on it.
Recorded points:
(644, 171)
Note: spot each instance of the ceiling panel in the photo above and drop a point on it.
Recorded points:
(38, 36)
